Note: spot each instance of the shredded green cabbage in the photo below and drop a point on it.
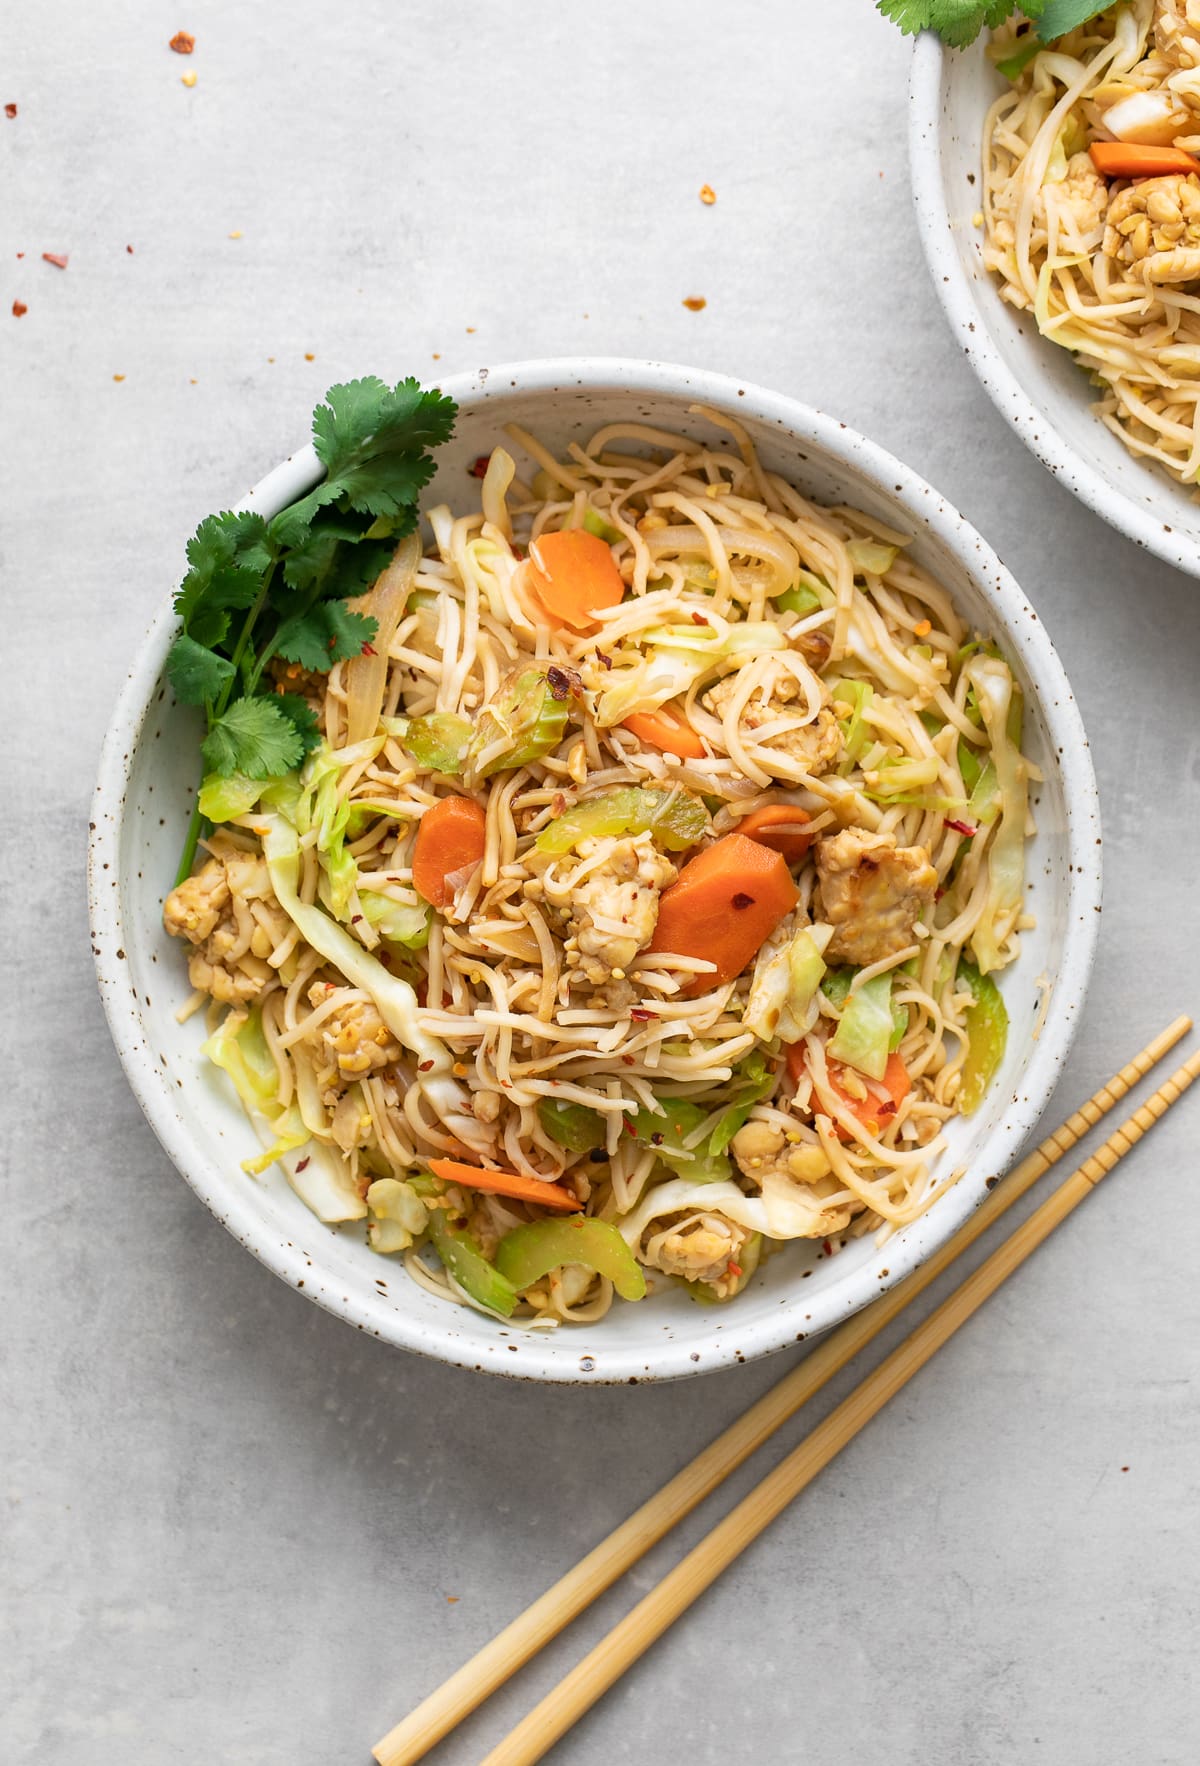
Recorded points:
(993, 684)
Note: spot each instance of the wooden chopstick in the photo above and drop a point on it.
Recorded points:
(531, 1630)
(629, 1639)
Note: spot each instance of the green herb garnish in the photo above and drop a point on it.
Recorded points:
(959, 22)
(257, 590)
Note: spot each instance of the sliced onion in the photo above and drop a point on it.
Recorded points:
(366, 675)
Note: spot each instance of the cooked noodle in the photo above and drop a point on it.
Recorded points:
(858, 705)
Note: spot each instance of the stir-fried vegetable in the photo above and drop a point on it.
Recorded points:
(782, 827)
(527, 1253)
(573, 1126)
(804, 598)
(864, 1031)
(993, 686)
(987, 1035)
(676, 819)
(365, 677)
(667, 730)
(571, 576)
(666, 1133)
(723, 907)
(438, 743)
(872, 557)
(525, 720)
(396, 922)
(755, 1081)
(783, 994)
(450, 843)
(674, 658)
(855, 733)
(883, 1098)
(398, 1216)
(461, 1255)
(504, 1183)
(1130, 159)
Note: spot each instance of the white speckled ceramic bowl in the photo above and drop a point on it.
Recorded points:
(1031, 381)
(148, 772)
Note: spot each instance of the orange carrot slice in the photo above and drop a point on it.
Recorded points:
(572, 575)
(667, 730)
(872, 1111)
(1131, 159)
(781, 827)
(449, 839)
(505, 1183)
(725, 904)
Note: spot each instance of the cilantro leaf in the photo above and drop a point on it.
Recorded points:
(197, 675)
(957, 22)
(302, 716)
(364, 419)
(257, 589)
(1056, 17)
(255, 737)
(327, 633)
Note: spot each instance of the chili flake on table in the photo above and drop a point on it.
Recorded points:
(183, 43)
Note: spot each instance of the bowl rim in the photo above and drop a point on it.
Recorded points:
(843, 449)
(930, 58)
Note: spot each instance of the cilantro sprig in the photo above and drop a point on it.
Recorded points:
(959, 22)
(259, 590)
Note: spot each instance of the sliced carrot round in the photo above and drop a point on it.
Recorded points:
(724, 906)
(573, 575)
(451, 837)
(666, 729)
(781, 826)
(505, 1183)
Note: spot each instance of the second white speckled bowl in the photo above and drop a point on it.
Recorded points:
(1032, 382)
(143, 798)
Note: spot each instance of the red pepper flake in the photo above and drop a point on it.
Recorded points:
(827, 1247)
(699, 619)
(369, 650)
(733, 1269)
(938, 893)
(129, 249)
(962, 828)
(695, 303)
(657, 1138)
(562, 682)
(20, 254)
(478, 467)
(58, 259)
(302, 1164)
(355, 918)
(183, 43)
(628, 1060)
(741, 900)
(10, 110)
(19, 309)
(424, 1066)
(641, 1015)
(629, 1128)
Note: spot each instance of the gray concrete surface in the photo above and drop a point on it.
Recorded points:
(236, 1531)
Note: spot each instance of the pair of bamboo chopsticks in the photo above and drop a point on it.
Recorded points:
(477, 1679)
